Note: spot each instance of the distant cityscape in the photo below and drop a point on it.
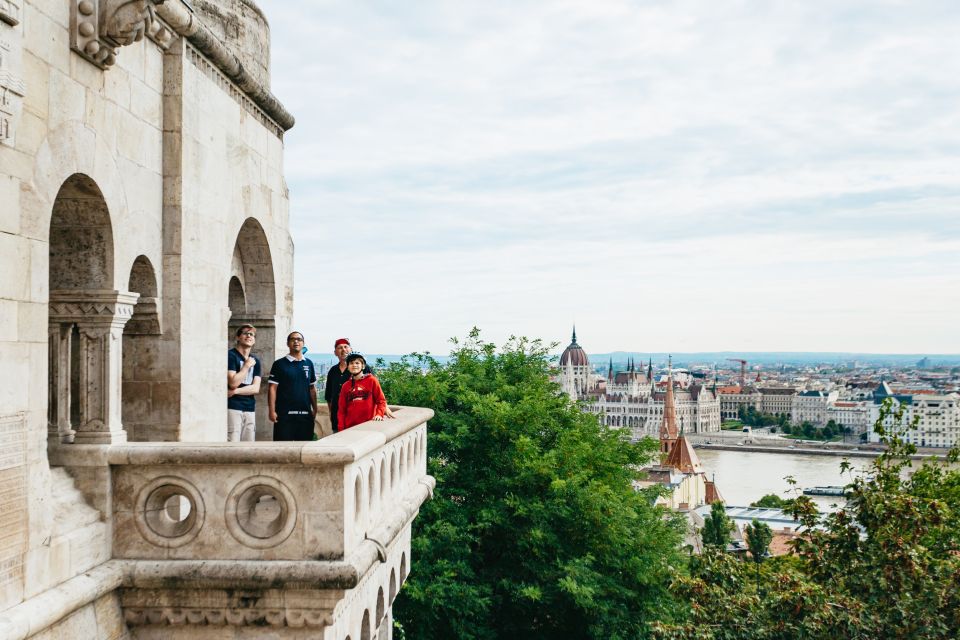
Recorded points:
(842, 397)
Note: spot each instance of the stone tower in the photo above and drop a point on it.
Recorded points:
(143, 216)
(668, 428)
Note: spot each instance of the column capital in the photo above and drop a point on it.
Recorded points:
(92, 306)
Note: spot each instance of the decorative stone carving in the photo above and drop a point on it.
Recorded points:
(170, 512)
(11, 84)
(127, 21)
(295, 618)
(10, 12)
(261, 512)
(99, 317)
(13, 506)
(99, 27)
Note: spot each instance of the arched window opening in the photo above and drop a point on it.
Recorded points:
(86, 318)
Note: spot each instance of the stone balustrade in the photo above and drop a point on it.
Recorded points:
(304, 536)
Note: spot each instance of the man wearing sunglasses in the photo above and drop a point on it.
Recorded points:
(243, 384)
(292, 395)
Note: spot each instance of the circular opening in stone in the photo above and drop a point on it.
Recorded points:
(262, 511)
(169, 511)
(177, 508)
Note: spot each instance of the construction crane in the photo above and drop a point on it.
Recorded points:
(743, 370)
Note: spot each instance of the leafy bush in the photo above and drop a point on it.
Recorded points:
(535, 529)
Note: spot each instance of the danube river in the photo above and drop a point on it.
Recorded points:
(746, 476)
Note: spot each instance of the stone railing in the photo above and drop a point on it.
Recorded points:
(296, 535)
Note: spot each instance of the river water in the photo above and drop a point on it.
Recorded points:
(746, 476)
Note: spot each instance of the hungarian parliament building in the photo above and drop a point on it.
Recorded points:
(634, 398)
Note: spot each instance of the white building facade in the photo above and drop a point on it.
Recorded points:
(777, 400)
(850, 415)
(634, 399)
(930, 420)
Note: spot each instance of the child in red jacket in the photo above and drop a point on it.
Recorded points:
(361, 398)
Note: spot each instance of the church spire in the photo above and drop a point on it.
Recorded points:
(573, 340)
(650, 371)
(668, 428)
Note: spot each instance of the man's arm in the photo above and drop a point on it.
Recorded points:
(272, 401)
(236, 378)
(313, 400)
(251, 389)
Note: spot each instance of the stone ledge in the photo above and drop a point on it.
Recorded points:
(344, 447)
(46, 609)
(49, 607)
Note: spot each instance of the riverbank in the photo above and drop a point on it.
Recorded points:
(770, 444)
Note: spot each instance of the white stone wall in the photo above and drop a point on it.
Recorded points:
(74, 119)
(233, 171)
(116, 127)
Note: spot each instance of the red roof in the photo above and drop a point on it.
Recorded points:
(683, 458)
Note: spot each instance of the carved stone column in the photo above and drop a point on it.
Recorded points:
(99, 317)
(59, 429)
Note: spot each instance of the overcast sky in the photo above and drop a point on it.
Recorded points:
(671, 176)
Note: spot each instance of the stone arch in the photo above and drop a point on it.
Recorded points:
(145, 402)
(393, 585)
(86, 317)
(81, 237)
(383, 478)
(381, 609)
(253, 257)
(146, 315)
(403, 567)
(236, 298)
(365, 625)
(394, 470)
(69, 150)
(372, 489)
(358, 499)
(251, 297)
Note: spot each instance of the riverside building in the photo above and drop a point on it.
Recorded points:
(635, 399)
(937, 418)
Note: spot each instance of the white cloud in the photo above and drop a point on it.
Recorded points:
(674, 175)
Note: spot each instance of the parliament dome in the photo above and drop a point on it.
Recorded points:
(574, 355)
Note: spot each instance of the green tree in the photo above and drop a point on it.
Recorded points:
(535, 528)
(886, 566)
(759, 536)
(772, 501)
(716, 527)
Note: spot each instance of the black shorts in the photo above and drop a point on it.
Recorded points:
(293, 428)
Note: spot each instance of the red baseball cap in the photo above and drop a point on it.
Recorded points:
(341, 341)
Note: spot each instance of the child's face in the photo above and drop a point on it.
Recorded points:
(355, 366)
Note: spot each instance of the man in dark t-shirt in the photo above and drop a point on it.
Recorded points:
(337, 375)
(293, 393)
(243, 383)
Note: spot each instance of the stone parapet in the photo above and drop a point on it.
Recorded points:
(303, 536)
